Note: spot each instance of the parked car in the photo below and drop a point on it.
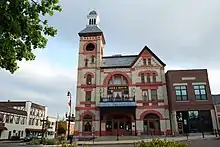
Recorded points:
(30, 137)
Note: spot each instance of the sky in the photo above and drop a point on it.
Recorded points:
(184, 34)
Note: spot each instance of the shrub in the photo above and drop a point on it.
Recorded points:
(51, 141)
(61, 139)
(34, 142)
(72, 145)
(160, 143)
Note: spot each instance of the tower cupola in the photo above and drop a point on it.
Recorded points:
(93, 18)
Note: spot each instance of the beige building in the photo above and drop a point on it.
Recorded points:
(124, 95)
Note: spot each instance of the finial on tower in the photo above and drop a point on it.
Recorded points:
(93, 18)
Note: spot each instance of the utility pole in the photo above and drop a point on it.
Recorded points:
(57, 125)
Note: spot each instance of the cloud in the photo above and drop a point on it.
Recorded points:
(39, 81)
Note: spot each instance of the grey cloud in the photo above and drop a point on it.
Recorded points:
(51, 93)
(185, 29)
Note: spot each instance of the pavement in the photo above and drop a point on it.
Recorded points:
(195, 141)
(131, 141)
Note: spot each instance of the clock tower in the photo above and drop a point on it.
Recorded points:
(91, 47)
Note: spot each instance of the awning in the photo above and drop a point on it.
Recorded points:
(3, 128)
(34, 130)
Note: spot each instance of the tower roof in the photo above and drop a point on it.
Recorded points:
(93, 12)
(92, 28)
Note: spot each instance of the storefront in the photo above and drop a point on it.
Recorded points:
(195, 121)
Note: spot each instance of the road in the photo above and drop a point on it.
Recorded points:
(194, 143)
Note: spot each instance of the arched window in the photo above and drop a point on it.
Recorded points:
(93, 59)
(89, 79)
(142, 78)
(148, 78)
(118, 80)
(154, 78)
(87, 123)
(86, 62)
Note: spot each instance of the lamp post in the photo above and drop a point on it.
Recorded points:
(69, 95)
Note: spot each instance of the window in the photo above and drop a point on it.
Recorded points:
(200, 92)
(118, 80)
(89, 79)
(86, 62)
(93, 59)
(32, 123)
(90, 47)
(90, 21)
(22, 121)
(145, 95)
(1, 117)
(88, 96)
(37, 122)
(87, 123)
(154, 78)
(11, 119)
(148, 78)
(153, 94)
(144, 61)
(149, 61)
(17, 120)
(22, 132)
(181, 93)
(7, 119)
(30, 120)
(142, 78)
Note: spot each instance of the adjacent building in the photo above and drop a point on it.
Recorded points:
(190, 101)
(21, 118)
(216, 101)
(51, 129)
(118, 94)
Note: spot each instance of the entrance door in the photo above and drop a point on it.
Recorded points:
(120, 125)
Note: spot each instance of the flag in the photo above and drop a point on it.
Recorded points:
(69, 102)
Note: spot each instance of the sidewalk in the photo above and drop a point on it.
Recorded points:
(181, 138)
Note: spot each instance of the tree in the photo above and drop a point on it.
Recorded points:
(23, 28)
(62, 127)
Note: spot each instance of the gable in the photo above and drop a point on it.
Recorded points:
(145, 54)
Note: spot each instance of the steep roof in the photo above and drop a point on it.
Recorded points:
(126, 61)
(89, 30)
(118, 61)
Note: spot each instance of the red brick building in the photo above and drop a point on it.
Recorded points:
(190, 101)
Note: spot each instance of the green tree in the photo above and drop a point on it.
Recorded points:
(23, 28)
(62, 127)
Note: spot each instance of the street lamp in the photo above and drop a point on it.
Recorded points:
(69, 103)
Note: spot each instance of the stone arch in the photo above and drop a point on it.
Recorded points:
(87, 113)
(108, 77)
(147, 72)
(151, 112)
(88, 73)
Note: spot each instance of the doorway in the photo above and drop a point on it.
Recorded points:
(152, 124)
(119, 125)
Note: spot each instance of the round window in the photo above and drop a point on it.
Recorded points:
(90, 47)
